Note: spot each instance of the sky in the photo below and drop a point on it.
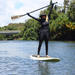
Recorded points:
(10, 8)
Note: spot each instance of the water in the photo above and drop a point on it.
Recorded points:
(15, 58)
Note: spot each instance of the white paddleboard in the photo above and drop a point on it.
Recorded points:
(44, 58)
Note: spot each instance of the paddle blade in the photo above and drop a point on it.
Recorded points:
(16, 17)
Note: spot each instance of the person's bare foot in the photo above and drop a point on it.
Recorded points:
(38, 56)
(47, 56)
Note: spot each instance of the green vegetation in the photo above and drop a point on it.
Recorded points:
(14, 26)
(30, 31)
(62, 25)
(71, 12)
(2, 37)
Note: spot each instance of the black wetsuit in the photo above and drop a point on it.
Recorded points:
(44, 31)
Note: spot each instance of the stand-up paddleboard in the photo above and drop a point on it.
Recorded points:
(44, 58)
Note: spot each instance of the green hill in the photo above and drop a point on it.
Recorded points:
(13, 26)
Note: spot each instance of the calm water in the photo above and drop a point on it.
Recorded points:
(15, 58)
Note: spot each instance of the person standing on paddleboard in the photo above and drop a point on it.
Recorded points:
(44, 31)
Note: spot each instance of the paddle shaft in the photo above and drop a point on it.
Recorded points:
(15, 17)
(38, 9)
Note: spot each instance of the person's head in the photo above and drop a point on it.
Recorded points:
(43, 16)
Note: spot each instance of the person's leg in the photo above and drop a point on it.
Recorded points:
(46, 42)
(39, 47)
(40, 42)
(46, 46)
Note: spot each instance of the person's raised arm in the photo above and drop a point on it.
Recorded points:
(32, 17)
(50, 11)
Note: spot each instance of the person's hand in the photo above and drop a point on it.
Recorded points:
(27, 13)
(52, 4)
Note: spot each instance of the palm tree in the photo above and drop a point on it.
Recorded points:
(66, 4)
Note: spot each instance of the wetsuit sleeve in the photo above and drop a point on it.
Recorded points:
(50, 11)
(33, 17)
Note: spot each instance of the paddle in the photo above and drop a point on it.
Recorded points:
(18, 16)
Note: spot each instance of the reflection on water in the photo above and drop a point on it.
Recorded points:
(43, 68)
(15, 58)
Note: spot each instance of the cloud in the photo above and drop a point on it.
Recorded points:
(9, 8)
